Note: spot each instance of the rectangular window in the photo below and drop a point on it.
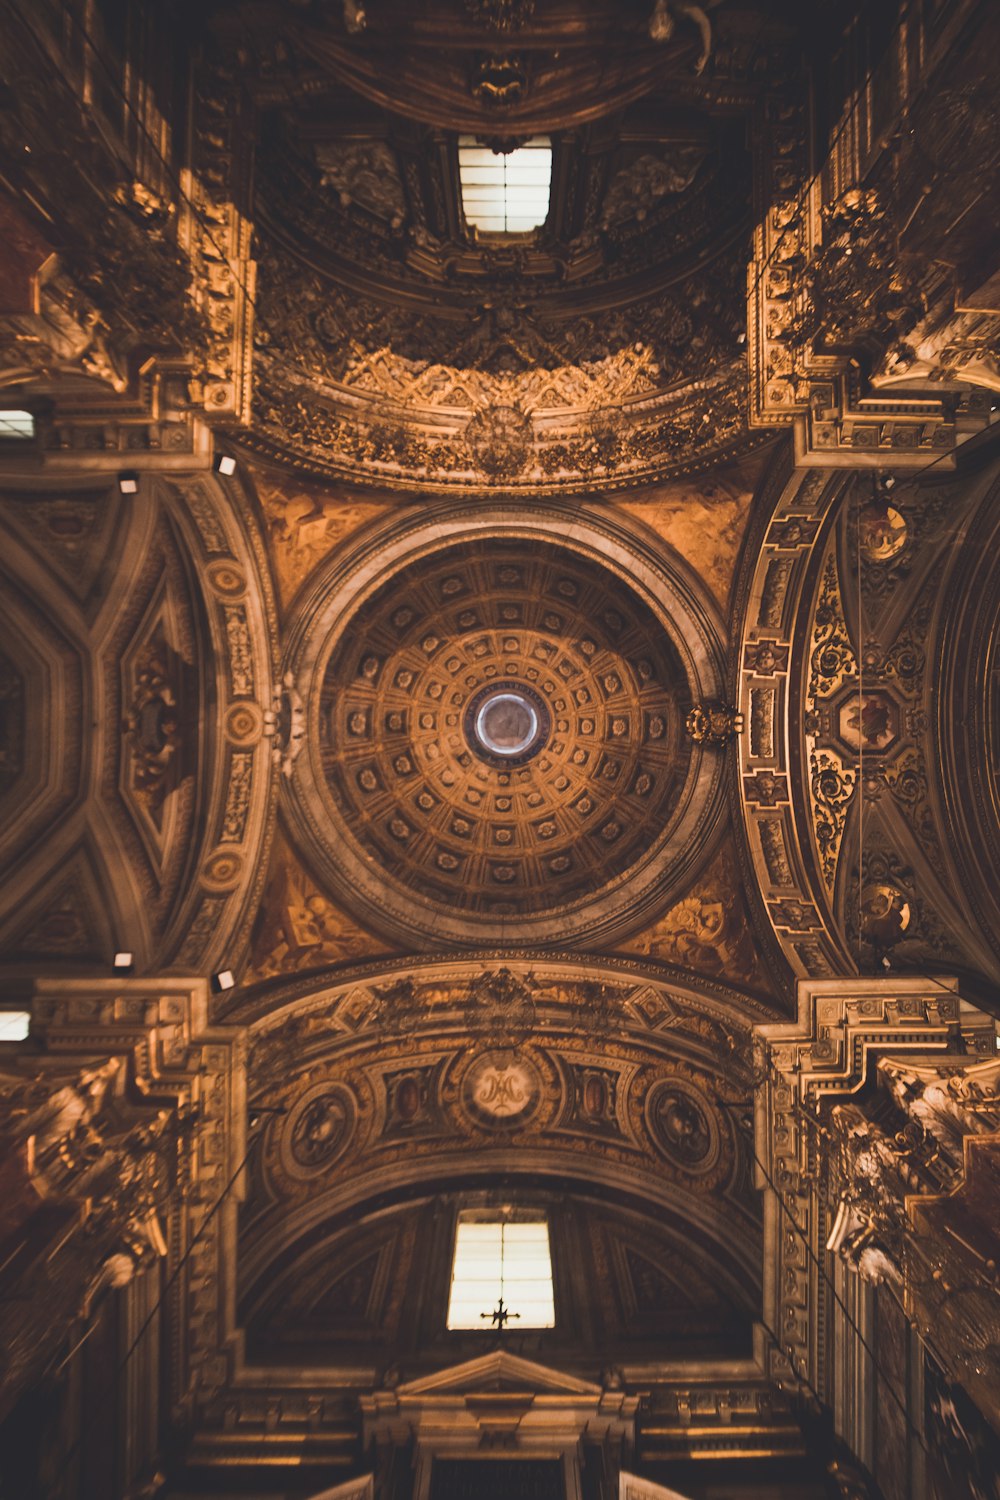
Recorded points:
(501, 1259)
(14, 1025)
(16, 424)
(505, 194)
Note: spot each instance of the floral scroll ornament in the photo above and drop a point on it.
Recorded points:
(832, 786)
(399, 1008)
(152, 725)
(598, 1007)
(501, 15)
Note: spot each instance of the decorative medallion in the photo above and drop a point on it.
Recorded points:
(222, 870)
(502, 1090)
(499, 439)
(227, 579)
(886, 915)
(682, 1126)
(319, 1129)
(868, 721)
(883, 533)
(244, 723)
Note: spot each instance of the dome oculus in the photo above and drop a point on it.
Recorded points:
(506, 723)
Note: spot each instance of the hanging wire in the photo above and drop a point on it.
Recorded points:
(831, 1285)
(154, 1311)
(912, 476)
(916, 473)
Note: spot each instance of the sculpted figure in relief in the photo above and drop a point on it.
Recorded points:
(666, 14)
(947, 1104)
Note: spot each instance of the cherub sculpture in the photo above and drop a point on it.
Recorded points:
(666, 14)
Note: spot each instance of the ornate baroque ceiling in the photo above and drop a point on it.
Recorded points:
(361, 575)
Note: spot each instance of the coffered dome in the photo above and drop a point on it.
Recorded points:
(496, 743)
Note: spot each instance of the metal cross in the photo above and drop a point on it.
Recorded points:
(500, 1315)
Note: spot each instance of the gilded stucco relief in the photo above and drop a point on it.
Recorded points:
(708, 931)
(496, 665)
(704, 517)
(299, 927)
(306, 522)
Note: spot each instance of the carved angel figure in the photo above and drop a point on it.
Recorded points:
(70, 1108)
(666, 14)
(876, 1174)
(949, 1104)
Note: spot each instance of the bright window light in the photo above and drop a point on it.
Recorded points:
(501, 1260)
(17, 424)
(505, 194)
(14, 1025)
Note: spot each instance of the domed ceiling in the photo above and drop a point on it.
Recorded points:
(496, 745)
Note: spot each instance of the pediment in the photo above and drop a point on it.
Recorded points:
(498, 1371)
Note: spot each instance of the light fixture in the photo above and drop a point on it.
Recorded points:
(124, 962)
(224, 980)
(257, 1112)
(224, 463)
(128, 482)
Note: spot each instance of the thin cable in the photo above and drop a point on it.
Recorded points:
(250, 300)
(154, 1311)
(830, 1284)
(911, 477)
(849, 117)
(185, 1258)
